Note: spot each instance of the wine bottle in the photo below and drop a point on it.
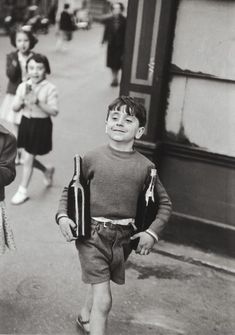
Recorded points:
(146, 206)
(78, 202)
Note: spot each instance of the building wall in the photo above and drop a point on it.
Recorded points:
(198, 165)
(201, 104)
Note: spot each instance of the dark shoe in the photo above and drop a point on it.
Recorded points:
(81, 323)
(114, 83)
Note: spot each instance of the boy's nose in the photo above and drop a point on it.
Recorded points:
(120, 120)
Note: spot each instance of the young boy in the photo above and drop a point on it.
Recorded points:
(116, 174)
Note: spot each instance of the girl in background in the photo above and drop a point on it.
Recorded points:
(37, 99)
(24, 41)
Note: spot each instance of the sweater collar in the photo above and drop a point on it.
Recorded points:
(119, 153)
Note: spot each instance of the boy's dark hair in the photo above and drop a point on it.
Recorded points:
(66, 6)
(23, 29)
(39, 58)
(132, 107)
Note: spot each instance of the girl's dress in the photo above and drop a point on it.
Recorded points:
(35, 131)
(16, 74)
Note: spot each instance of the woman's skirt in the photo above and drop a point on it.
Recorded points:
(6, 111)
(114, 57)
(35, 135)
(6, 234)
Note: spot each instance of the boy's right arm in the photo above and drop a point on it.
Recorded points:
(62, 219)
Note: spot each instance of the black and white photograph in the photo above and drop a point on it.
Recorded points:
(117, 167)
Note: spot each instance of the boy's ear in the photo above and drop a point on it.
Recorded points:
(139, 133)
(105, 126)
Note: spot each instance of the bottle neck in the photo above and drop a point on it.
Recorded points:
(77, 166)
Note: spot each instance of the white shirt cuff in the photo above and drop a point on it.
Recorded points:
(154, 235)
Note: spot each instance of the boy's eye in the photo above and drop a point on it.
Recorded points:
(129, 120)
(114, 117)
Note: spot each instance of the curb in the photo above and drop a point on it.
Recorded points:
(196, 261)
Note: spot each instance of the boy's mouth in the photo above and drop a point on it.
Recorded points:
(118, 131)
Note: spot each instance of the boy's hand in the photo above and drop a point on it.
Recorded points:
(145, 244)
(66, 226)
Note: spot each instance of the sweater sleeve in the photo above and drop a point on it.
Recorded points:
(7, 161)
(62, 209)
(164, 208)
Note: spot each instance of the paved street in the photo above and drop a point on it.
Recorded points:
(40, 286)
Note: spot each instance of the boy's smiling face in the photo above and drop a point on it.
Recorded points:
(123, 128)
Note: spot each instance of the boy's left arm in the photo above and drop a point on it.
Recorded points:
(164, 204)
(151, 235)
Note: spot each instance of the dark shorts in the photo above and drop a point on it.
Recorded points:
(102, 256)
(35, 135)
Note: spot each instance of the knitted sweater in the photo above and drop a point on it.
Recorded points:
(116, 180)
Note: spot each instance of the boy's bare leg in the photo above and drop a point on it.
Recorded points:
(102, 303)
(86, 309)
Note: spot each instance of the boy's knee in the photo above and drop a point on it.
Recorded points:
(103, 303)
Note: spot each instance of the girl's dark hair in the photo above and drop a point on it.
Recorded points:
(39, 58)
(122, 8)
(132, 107)
(22, 29)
